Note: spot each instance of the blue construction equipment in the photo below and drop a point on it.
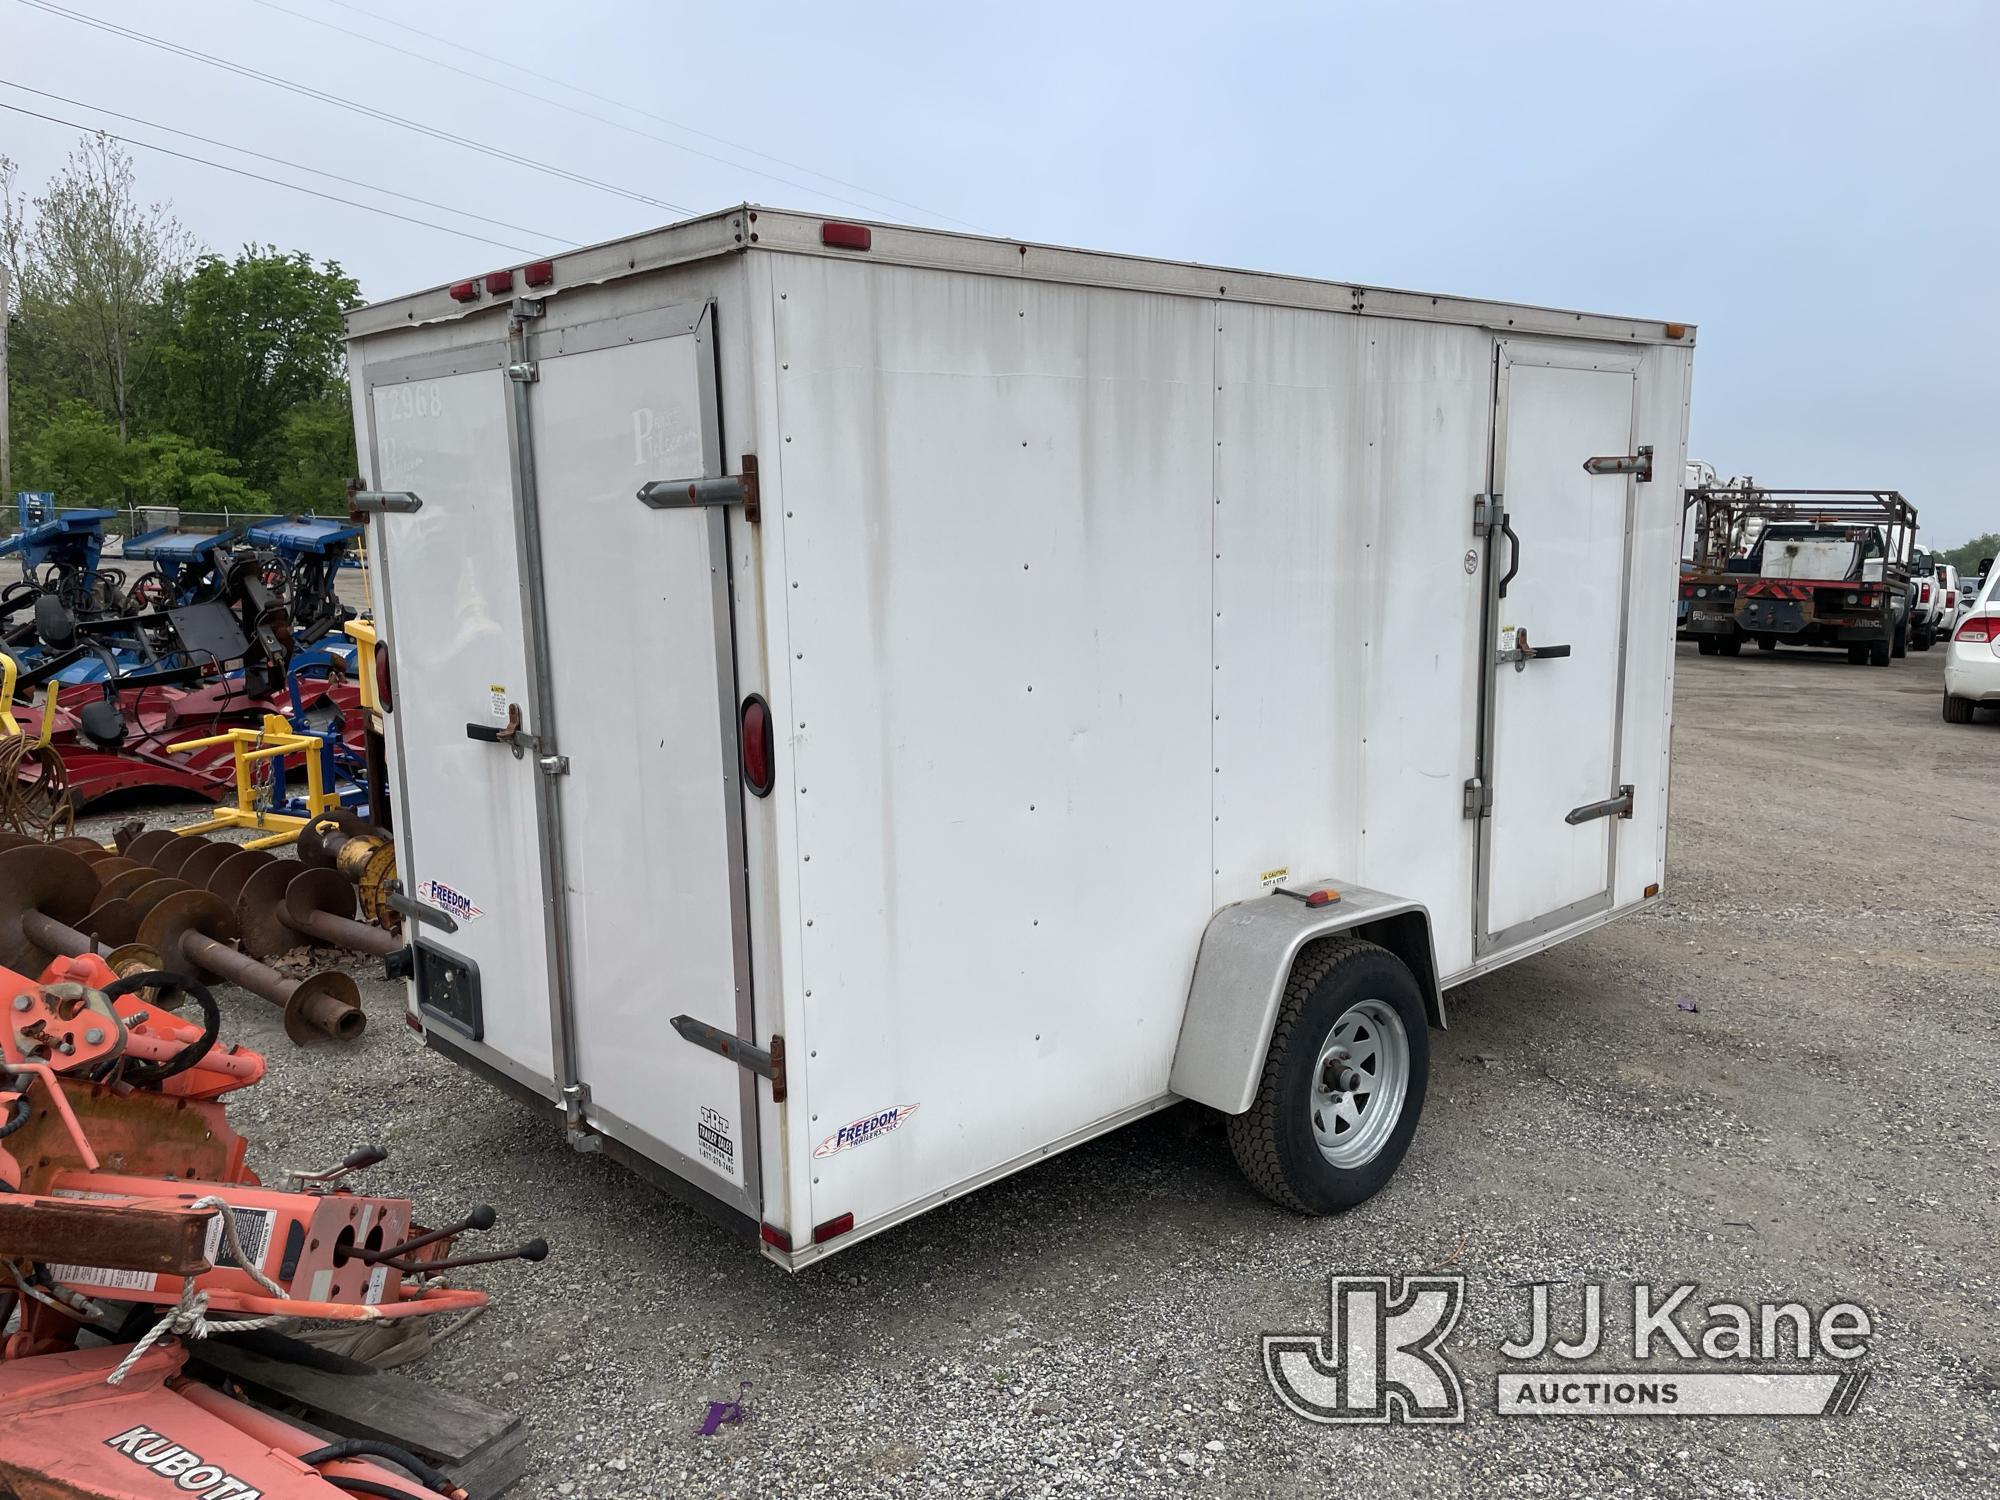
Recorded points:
(188, 566)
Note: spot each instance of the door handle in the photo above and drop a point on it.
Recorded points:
(1513, 552)
(507, 734)
(1522, 653)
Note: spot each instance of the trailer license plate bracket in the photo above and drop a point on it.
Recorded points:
(448, 991)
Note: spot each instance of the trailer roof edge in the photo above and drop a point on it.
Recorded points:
(745, 227)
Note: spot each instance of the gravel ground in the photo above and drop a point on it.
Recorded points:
(1821, 1126)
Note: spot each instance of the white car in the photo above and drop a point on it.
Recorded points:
(1926, 604)
(1972, 660)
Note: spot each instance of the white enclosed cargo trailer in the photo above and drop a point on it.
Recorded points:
(874, 707)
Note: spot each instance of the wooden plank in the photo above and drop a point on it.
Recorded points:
(120, 1236)
(482, 1448)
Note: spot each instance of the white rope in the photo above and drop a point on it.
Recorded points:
(189, 1320)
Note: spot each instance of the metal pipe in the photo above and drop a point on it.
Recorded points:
(57, 937)
(345, 932)
(323, 1011)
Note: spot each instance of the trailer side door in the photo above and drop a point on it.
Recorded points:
(1556, 616)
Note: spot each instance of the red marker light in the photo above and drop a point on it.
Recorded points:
(539, 272)
(760, 750)
(465, 291)
(498, 282)
(775, 1237)
(845, 236)
(832, 1228)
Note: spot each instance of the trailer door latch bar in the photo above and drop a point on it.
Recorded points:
(1619, 806)
(764, 1062)
(1639, 465)
(692, 494)
(1521, 653)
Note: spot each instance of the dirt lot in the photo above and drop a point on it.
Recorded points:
(1779, 1083)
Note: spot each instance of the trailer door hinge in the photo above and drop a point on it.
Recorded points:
(1478, 798)
(554, 765)
(1639, 465)
(1619, 806)
(382, 502)
(1485, 513)
(692, 494)
(764, 1062)
(527, 371)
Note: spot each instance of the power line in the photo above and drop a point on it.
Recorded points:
(402, 122)
(260, 177)
(282, 161)
(804, 187)
(577, 88)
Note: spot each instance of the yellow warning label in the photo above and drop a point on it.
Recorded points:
(1272, 877)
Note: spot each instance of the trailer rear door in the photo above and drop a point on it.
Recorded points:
(644, 678)
(1557, 581)
(565, 686)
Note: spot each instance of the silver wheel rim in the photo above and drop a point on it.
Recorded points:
(1359, 1083)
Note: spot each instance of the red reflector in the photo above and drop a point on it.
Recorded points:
(410, 1020)
(832, 1228)
(465, 291)
(382, 695)
(760, 751)
(1979, 629)
(498, 282)
(774, 1236)
(539, 272)
(845, 236)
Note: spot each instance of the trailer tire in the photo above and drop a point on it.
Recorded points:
(1857, 656)
(1958, 710)
(1878, 653)
(1293, 1143)
(1920, 640)
(1901, 645)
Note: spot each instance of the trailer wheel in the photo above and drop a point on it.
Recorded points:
(1958, 710)
(1901, 646)
(1878, 653)
(1857, 656)
(1920, 639)
(1343, 1082)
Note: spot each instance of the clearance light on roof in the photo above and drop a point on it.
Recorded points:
(539, 272)
(498, 282)
(465, 291)
(845, 236)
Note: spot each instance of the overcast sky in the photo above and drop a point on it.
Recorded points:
(1812, 184)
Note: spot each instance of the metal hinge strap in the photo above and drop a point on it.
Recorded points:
(689, 494)
(400, 502)
(1485, 513)
(1478, 797)
(1619, 806)
(418, 911)
(764, 1062)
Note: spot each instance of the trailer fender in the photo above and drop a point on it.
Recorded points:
(1246, 957)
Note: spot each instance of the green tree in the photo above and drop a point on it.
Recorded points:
(250, 363)
(171, 470)
(77, 453)
(1966, 558)
(90, 262)
(316, 457)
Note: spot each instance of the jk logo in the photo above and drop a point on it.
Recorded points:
(1380, 1361)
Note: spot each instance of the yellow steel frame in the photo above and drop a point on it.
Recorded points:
(9, 725)
(276, 740)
